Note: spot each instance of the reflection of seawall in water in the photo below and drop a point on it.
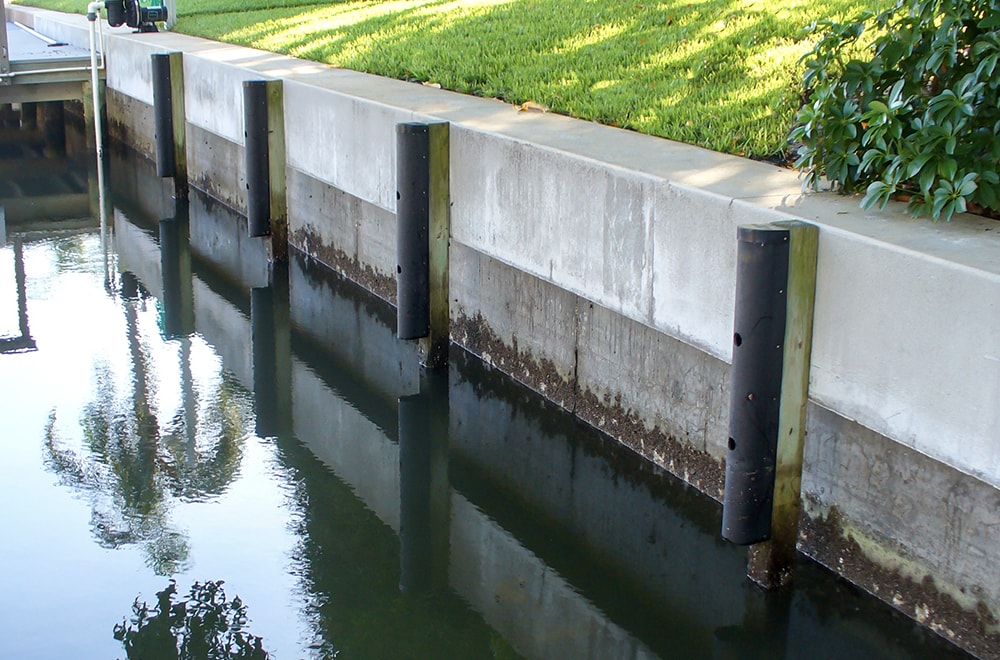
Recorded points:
(485, 559)
(563, 545)
(365, 454)
(540, 506)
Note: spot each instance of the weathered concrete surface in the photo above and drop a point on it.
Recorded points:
(577, 353)
(908, 347)
(675, 410)
(905, 340)
(615, 270)
(351, 141)
(515, 321)
(137, 130)
(857, 485)
(354, 237)
(216, 166)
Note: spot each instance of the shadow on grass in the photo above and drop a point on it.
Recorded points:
(719, 73)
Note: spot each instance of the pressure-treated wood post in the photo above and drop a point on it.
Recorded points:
(435, 346)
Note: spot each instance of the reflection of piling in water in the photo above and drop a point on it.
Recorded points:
(178, 285)
(765, 628)
(22, 293)
(178, 307)
(271, 337)
(129, 286)
(423, 486)
(24, 341)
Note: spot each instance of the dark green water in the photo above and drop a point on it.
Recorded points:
(189, 419)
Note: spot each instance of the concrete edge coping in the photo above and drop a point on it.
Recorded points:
(967, 241)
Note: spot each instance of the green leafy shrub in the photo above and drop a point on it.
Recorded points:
(914, 112)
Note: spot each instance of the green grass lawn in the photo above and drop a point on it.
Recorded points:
(723, 74)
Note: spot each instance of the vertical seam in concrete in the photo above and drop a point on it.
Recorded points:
(651, 257)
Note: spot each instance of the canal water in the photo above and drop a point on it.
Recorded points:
(204, 453)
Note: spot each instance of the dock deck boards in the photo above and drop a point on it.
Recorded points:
(29, 51)
(35, 68)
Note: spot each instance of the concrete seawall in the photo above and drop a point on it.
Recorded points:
(598, 267)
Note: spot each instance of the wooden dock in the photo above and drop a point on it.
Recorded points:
(35, 68)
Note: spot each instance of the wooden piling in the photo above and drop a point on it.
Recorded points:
(180, 125)
(434, 347)
(276, 154)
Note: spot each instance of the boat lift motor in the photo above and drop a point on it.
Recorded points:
(141, 16)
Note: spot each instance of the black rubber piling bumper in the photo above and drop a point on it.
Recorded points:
(759, 332)
(258, 166)
(163, 116)
(413, 292)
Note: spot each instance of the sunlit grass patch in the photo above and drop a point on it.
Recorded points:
(723, 74)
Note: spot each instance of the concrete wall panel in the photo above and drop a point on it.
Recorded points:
(695, 266)
(664, 383)
(132, 71)
(345, 141)
(356, 238)
(909, 347)
(213, 96)
(929, 530)
(520, 323)
(567, 220)
(217, 166)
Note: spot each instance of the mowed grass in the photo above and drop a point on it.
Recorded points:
(723, 74)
